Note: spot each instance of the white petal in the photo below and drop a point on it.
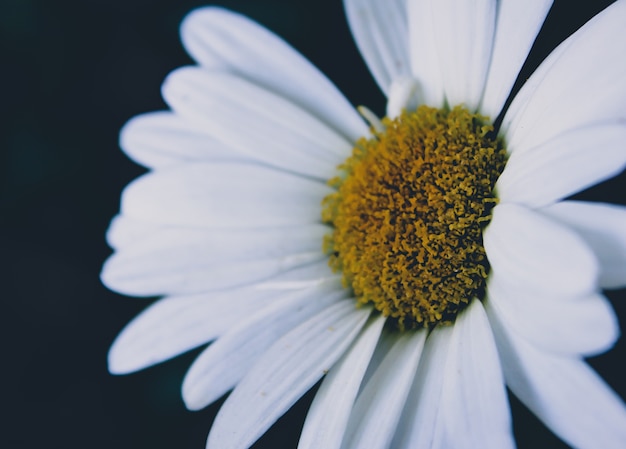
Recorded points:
(284, 373)
(224, 40)
(585, 84)
(256, 122)
(381, 33)
(124, 231)
(300, 277)
(386, 341)
(224, 196)
(404, 93)
(379, 406)
(328, 415)
(536, 254)
(568, 396)
(583, 325)
(177, 324)
(517, 25)
(223, 364)
(564, 165)
(420, 425)
(423, 52)
(160, 139)
(520, 101)
(603, 227)
(474, 405)
(186, 260)
(464, 38)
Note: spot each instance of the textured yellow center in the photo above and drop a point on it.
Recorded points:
(408, 215)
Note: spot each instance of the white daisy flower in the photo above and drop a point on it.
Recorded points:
(438, 264)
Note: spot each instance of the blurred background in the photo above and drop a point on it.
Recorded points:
(73, 71)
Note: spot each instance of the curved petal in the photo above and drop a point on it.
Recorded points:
(564, 392)
(464, 34)
(225, 362)
(381, 33)
(223, 196)
(584, 326)
(256, 122)
(420, 425)
(328, 415)
(379, 405)
(226, 41)
(517, 25)
(520, 101)
(474, 406)
(186, 260)
(159, 139)
(603, 227)
(564, 165)
(284, 373)
(538, 255)
(385, 342)
(176, 324)
(585, 84)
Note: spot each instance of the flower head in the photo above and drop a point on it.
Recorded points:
(418, 264)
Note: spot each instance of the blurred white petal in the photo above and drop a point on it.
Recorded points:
(584, 325)
(564, 392)
(381, 33)
(536, 254)
(223, 40)
(603, 227)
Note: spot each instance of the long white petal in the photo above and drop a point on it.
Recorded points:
(464, 34)
(475, 409)
(225, 362)
(537, 254)
(423, 52)
(381, 33)
(226, 41)
(564, 392)
(177, 324)
(378, 407)
(585, 84)
(328, 415)
(186, 260)
(520, 102)
(421, 424)
(284, 373)
(256, 122)
(159, 139)
(564, 165)
(386, 341)
(517, 25)
(223, 196)
(603, 227)
(584, 325)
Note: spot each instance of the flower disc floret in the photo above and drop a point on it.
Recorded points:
(408, 214)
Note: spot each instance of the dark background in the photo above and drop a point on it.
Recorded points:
(72, 72)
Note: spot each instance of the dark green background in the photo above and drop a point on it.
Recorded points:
(72, 72)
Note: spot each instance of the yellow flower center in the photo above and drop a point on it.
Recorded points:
(408, 215)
